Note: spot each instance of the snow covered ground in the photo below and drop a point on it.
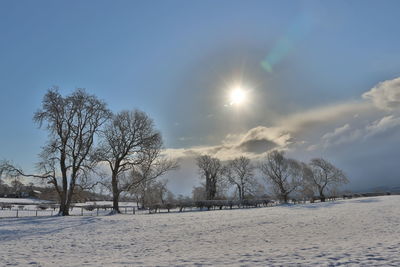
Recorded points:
(22, 200)
(357, 232)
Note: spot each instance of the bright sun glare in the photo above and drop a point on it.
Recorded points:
(237, 96)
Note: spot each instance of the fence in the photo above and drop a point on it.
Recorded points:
(15, 210)
(75, 211)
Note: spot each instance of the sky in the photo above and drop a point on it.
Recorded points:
(321, 77)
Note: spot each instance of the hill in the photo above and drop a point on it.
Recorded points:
(363, 231)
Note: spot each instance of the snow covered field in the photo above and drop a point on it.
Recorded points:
(22, 200)
(359, 232)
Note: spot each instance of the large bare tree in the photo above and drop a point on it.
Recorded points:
(325, 176)
(129, 141)
(283, 174)
(72, 123)
(240, 173)
(211, 169)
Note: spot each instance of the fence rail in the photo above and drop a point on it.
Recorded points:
(74, 211)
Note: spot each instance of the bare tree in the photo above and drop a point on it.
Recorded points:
(143, 184)
(72, 123)
(325, 177)
(306, 189)
(152, 166)
(282, 173)
(153, 192)
(211, 170)
(161, 192)
(129, 141)
(240, 173)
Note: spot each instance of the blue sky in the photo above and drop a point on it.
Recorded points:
(175, 60)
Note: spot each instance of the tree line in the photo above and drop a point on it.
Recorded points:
(16, 189)
(285, 176)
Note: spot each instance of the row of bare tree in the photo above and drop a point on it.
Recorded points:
(285, 176)
(86, 140)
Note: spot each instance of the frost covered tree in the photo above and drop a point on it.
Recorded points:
(131, 142)
(283, 174)
(66, 160)
(240, 173)
(325, 177)
(210, 169)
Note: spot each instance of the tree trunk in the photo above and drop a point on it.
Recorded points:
(64, 193)
(285, 198)
(68, 201)
(208, 188)
(241, 189)
(61, 212)
(322, 196)
(213, 189)
(70, 193)
(240, 194)
(115, 191)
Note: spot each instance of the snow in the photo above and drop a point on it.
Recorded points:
(109, 203)
(40, 201)
(22, 200)
(363, 231)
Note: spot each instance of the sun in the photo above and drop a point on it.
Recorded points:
(237, 96)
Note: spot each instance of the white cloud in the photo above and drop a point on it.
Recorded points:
(350, 134)
(340, 135)
(385, 95)
(383, 125)
(326, 115)
(337, 132)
